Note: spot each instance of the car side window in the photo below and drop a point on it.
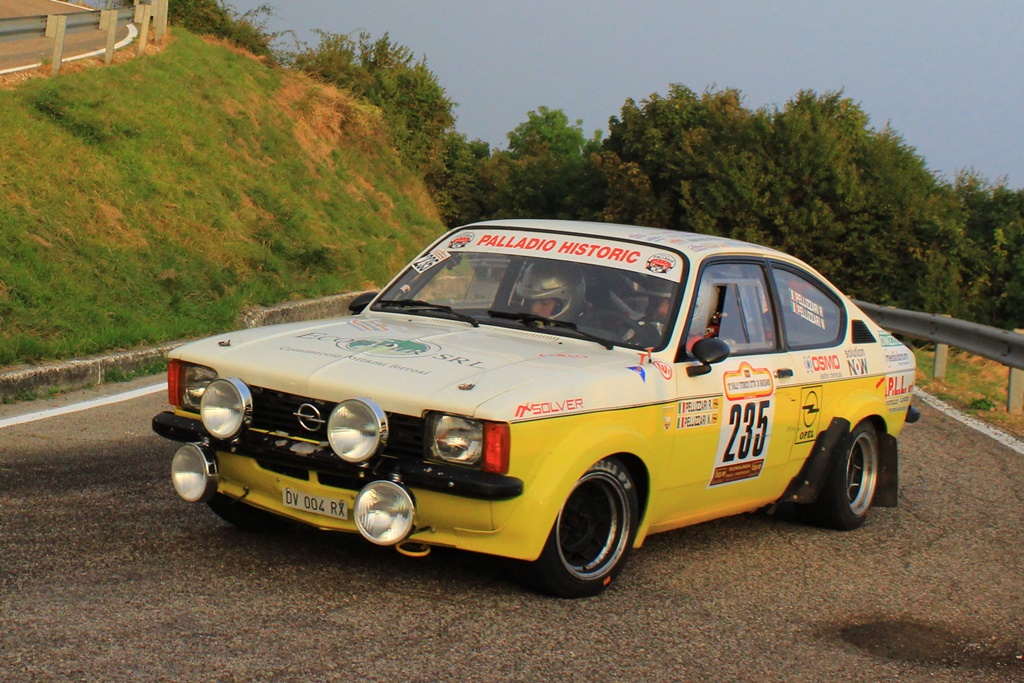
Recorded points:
(732, 303)
(811, 316)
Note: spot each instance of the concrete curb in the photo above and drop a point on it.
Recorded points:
(32, 381)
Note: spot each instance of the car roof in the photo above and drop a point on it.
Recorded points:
(694, 245)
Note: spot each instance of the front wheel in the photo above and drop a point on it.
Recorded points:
(850, 486)
(592, 536)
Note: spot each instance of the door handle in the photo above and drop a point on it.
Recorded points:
(783, 372)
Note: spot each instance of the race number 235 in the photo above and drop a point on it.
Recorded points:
(748, 427)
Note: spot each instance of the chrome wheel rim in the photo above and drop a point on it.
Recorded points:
(861, 473)
(592, 526)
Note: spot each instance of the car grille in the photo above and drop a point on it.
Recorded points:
(275, 412)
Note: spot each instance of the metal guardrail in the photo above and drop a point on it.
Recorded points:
(993, 343)
(20, 28)
(1002, 346)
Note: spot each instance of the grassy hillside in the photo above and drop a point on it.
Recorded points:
(155, 199)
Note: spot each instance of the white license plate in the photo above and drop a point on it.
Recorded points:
(332, 507)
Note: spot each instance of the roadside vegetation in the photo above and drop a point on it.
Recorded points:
(973, 385)
(155, 200)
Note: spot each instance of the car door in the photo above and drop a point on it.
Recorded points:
(733, 425)
(814, 324)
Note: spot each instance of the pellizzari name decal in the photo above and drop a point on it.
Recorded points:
(693, 412)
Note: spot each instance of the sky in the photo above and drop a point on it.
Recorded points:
(947, 76)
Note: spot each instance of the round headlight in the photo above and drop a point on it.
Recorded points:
(194, 473)
(384, 512)
(356, 429)
(457, 439)
(226, 407)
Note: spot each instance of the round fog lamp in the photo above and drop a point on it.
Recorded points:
(384, 512)
(356, 429)
(226, 407)
(194, 473)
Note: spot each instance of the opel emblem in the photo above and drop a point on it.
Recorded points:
(309, 417)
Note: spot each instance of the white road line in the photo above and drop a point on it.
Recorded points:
(987, 430)
(86, 405)
(132, 32)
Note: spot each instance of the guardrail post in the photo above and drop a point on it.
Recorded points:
(144, 29)
(110, 16)
(941, 354)
(60, 26)
(161, 21)
(939, 369)
(1015, 390)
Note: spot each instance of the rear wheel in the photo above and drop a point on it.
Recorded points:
(245, 516)
(592, 536)
(849, 489)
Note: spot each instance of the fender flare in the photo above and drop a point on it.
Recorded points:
(830, 444)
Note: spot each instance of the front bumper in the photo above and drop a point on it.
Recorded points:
(267, 451)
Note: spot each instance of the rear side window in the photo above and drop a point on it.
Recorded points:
(810, 315)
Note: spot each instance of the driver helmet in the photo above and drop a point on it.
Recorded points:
(553, 280)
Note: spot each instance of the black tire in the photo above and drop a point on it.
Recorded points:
(849, 487)
(592, 535)
(245, 516)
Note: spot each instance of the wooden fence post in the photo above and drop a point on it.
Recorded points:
(144, 29)
(1015, 390)
(939, 369)
(110, 17)
(60, 26)
(161, 21)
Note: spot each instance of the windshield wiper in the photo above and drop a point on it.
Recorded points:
(408, 304)
(540, 322)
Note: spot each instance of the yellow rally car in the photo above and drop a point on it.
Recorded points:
(551, 392)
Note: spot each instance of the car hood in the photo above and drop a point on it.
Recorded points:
(411, 364)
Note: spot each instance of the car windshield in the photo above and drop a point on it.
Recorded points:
(613, 293)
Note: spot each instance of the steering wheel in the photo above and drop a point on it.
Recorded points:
(613, 325)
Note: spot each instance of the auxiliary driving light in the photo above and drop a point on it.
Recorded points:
(356, 429)
(194, 473)
(384, 512)
(226, 407)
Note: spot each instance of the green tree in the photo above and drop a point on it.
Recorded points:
(218, 18)
(418, 111)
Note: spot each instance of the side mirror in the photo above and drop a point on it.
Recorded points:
(708, 351)
(360, 302)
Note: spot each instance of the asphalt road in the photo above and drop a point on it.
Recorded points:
(105, 575)
(20, 53)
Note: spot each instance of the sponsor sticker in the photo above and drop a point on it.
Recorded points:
(661, 263)
(427, 262)
(748, 382)
(690, 413)
(543, 408)
(807, 309)
(826, 366)
(898, 390)
(461, 240)
(579, 248)
(856, 362)
(810, 414)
